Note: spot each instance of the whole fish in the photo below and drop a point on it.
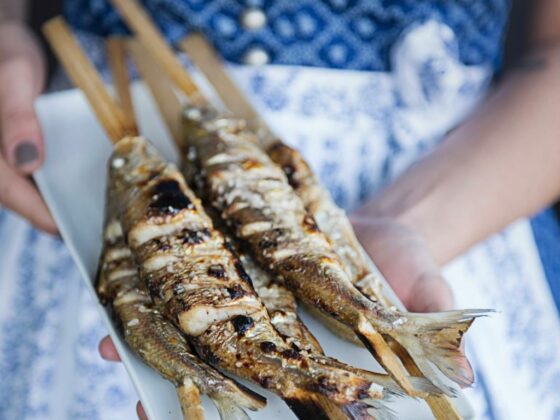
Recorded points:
(200, 284)
(156, 340)
(334, 224)
(256, 200)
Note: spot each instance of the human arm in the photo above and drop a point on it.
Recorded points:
(501, 164)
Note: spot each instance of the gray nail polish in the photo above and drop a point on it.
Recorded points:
(26, 152)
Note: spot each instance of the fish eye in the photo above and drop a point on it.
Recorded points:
(118, 162)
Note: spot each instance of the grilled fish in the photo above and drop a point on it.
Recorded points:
(256, 200)
(331, 219)
(278, 300)
(202, 287)
(156, 340)
(281, 305)
(334, 223)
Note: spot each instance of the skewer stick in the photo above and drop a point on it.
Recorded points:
(152, 39)
(84, 76)
(161, 88)
(206, 59)
(116, 54)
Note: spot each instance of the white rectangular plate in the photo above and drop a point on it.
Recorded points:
(72, 181)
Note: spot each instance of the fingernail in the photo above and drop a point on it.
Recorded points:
(25, 153)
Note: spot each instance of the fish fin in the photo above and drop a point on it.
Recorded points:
(366, 393)
(434, 340)
(334, 326)
(383, 353)
(189, 398)
(364, 409)
(229, 410)
(308, 405)
(380, 410)
(240, 396)
(391, 388)
(420, 384)
(100, 279)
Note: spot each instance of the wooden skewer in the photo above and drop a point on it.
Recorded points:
(84, 76)
(161, 88)
(206, 59)
(116, 54)
(152, 39)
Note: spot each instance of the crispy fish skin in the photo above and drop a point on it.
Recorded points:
(331, 219)
(158, 342)
(281, 305)
(201, 286)
(335, 225)
(255, 199)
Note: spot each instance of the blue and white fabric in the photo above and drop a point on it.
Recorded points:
(359, 129)
(348, 34)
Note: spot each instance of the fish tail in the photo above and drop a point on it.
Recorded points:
(378, 408)
(189, 399)
(433, 341)
(342, 391)
(392, 389)
(383, 353)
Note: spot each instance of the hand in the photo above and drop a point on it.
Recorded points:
(22, 76)
(109, 352)
(402, 256)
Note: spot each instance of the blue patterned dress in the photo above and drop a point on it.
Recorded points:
(364, 89)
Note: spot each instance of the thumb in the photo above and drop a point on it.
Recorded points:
(22, 142)
(430, 293)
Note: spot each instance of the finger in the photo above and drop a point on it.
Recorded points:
(22, 142)
(430, 293)
(20, 195)
(108, 350)
(140, 411)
